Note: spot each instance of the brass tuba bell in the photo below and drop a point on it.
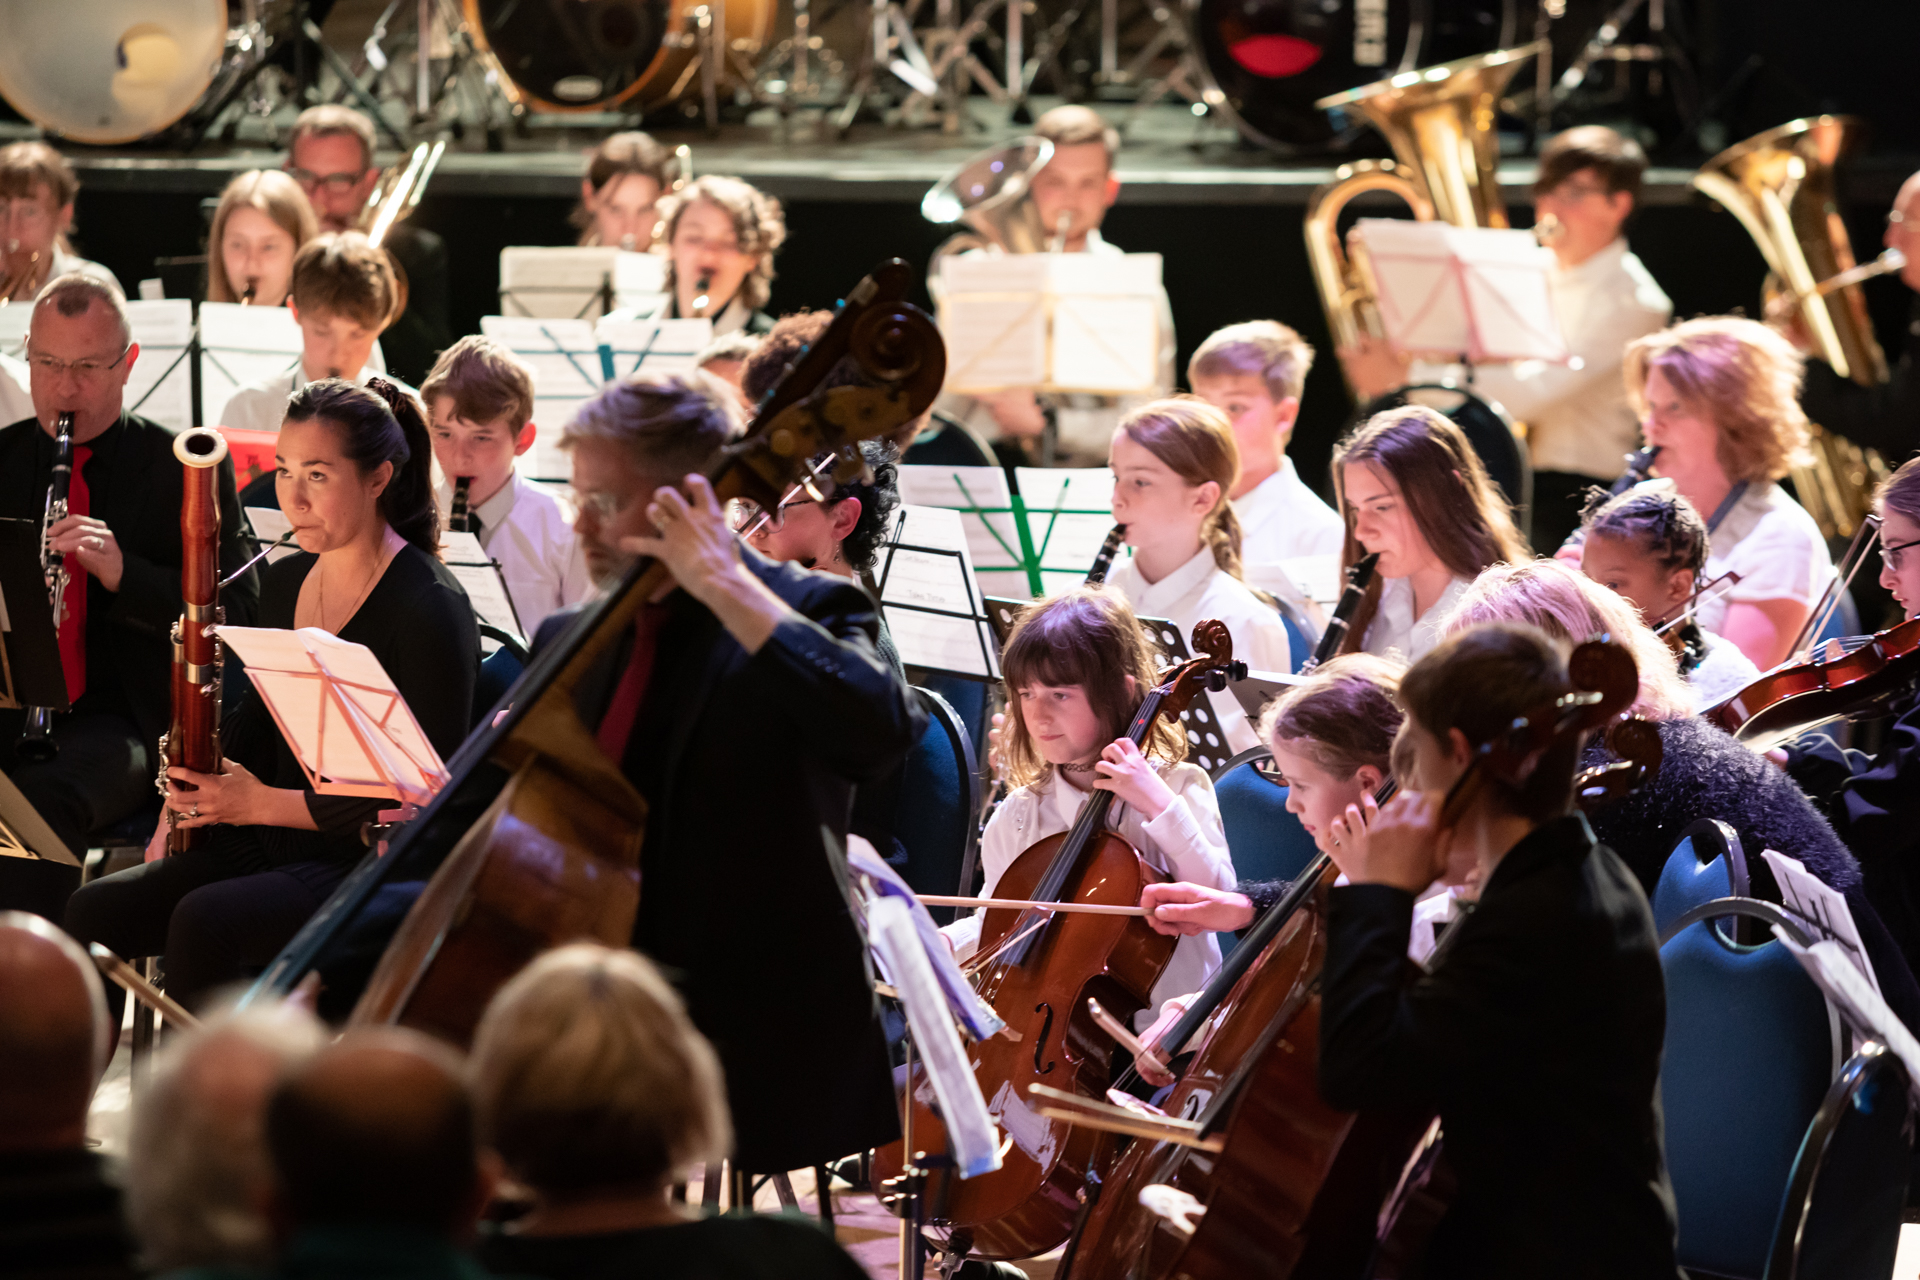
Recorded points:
(1780, 185)
(992, 193)
(1440, 121)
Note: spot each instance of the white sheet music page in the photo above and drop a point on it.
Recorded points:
(928, 593)
(565, 358)
(13, 330)
(993, 317)
(476, 572)
(160, 385)
(653, 346)
(1860, 1004)
(1479, 292)
(558, 282)
(992, 540)
(1106, 322)
(1069, 514)
(241, 345)
(1825, 912)
(269, 525)
(640, 282)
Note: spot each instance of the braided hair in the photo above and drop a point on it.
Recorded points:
(1654, 518)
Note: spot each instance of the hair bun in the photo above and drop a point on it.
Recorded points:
(387, 390)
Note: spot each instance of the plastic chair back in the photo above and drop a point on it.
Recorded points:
(1750, 1048)
(939, 805)
(1302, 635)
(1266, 842)
(1706, 863)
(970, 700)
(498, 670)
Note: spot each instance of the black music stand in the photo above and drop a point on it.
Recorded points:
(30, 672)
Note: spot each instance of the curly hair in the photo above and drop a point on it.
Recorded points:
(1738, 374)
(1656, 519)
(879, 499)
(759, 223)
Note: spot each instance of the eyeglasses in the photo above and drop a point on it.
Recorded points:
(82, 369)
(1891, 554)
(335, 183)
(746, 514)
(603, 506)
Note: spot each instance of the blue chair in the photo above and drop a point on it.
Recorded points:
(1706, 863)
(498, 670)
(969, 699)
(1267, 842)
(939, 813)
(1751, 1047)
(1841, 1215)
(1302, 635)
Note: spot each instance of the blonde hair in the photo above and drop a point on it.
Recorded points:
(270, 192)
(588, 1073)
(1195, 441)
(485, 381)
(1344, 716)
(1089, 637)
(759, 224)
(1073, 125)
(1264, 349)
(1568, 605)
(1739, 374)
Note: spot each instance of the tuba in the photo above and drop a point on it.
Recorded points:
(1441, 123)
(993, 194)
(1780, 185)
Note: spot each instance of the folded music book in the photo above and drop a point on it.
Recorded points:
(1478, 292)
(1068, 322)
(930, 596)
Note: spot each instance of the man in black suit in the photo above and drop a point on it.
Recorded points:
(744, 706)
(123, 555)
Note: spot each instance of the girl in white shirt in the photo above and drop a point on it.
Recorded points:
(1414, 490)
(1174, 463)
(1076, 668)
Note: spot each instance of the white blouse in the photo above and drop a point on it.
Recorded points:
(1187, 842)
(1395, 631)
(1775, 547)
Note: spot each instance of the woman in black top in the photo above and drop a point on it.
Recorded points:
(596, 1090)
(353, 477)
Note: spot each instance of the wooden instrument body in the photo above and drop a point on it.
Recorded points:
(1029, 1205)
(1787, 702)
(193, 730)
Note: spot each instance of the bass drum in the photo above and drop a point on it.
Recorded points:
(1264, 63)
(109, 71)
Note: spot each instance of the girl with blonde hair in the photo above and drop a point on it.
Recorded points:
(262, 222)
(1174, 463)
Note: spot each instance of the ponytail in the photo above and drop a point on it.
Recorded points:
(381, 423)
(1222, 535)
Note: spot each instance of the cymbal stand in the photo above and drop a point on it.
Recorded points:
(1184, 78)
(893, 48)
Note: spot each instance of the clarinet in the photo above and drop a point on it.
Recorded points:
(1108, 550)
(36, 738)
(192, 740)
(1639, 466)
(457, 513)
(1359, 577)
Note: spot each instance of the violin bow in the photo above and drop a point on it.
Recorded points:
(1703, 593)
(1863, 539)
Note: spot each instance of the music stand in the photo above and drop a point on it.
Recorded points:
(30, 671)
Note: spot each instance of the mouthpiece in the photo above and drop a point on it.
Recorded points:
(253, 287)
(1061, 226)
(1548, 230)
(703, 294)
(629, 242)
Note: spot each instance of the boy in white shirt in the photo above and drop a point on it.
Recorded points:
(480, 404)
(1254, 373)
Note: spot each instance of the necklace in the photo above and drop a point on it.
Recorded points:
(379, 565)
(1078, 768)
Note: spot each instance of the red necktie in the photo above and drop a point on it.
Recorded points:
(617, 725)
(73, 629)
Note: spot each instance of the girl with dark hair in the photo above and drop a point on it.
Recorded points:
(353, 478)
(1413, 489)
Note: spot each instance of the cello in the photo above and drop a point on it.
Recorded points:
(1038, 970)
(1264, 1179)
(535, 840)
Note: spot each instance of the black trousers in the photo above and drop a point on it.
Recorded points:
(103, 773)
(1557, 499)
(215, 914)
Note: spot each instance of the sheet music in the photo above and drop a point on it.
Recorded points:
(1067, 543)
(1481, 292)
(1061, 322)
(994, 340)
(1825, 912)
(160, 384)
(916, 577)
(570, 282)
(565, 358)
(653, 346)
(640, 282)
(480, 576)
(269, 525)
(241, 345)
(992, 541)
(13, 330)
(1105, 345)
(1860, 1004)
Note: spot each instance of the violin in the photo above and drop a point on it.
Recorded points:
(1263, 1178)
(1874, 672)
(535, 839)
(1039, 970)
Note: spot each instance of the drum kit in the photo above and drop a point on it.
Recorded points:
(113, 72)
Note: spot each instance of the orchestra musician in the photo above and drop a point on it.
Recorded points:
(330, 155)
(37, 190)
(1174, 463)
(1536, 1033)
(720, 235)
(1414, 490)
(262, 221)
(743, 902)
(353, 471)
(121, 540)
(626, 176)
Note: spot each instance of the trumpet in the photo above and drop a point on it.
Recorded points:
(36, 737)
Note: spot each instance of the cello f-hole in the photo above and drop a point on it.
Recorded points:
(1040, 1042)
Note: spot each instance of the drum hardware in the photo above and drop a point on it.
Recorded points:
(893, 47)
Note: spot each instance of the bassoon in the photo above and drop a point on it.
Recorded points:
(192, 739)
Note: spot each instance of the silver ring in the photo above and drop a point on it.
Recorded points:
(193, 811)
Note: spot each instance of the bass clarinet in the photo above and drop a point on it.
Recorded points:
(192, 740)
(36, 737)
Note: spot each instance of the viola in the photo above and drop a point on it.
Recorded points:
(535, 839)
(1873, 672)
(1043, 969)
(1272, 1182)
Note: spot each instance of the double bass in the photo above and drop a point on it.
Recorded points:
(535, 839)
(1265, 1179)
(1038, 969)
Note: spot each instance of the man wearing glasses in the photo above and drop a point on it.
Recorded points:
(331, 157)
(121, 543)
(1579, 424)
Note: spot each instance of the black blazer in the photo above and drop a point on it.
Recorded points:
(1537, 1038)
(748, 766)
(1884, 417)
(134, 483)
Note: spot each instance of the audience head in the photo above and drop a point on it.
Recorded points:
(1720, 396)
(80, 351)
(344, 294)
(639, 435)
(261, 223)
(1076, 667)
(591, 1080)
(626, 176)
(1174, 462)
(331, 156)
(479, 399)
(198, 1176)
(55, 1038)
(350, 456)
(1254, 373)
(1078, 184)
(1649, 546)
(1568, 606)
(726, 359)
(782, 346)
(1588, 183)
(1898, 504)
(727, 231)
(377, 1129)
(1332, 738)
